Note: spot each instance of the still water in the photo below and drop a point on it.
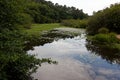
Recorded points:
(76, 61)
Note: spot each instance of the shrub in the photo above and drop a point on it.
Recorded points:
(15, 63)
(106, 38)
(19, 66)
(25, 20)
(103, 30)
(75, 23)
(83, 23)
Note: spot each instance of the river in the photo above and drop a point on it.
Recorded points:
(76, 60)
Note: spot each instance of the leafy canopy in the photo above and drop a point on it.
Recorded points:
(108, 18)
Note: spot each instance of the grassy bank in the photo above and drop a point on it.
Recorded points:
(33, 36)
(75, 23)
(106, 40)
(36, 29)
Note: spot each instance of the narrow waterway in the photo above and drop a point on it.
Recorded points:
(76, 61)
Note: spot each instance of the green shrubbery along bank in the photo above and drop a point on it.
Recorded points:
(105, 40)
(15, 63)
(109, 38)
(75, 23)
(104, 25)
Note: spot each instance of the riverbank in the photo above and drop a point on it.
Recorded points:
(39, 34)
(36, 29)
(76, 57)
(109, 40)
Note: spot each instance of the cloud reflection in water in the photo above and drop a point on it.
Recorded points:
(74, 62)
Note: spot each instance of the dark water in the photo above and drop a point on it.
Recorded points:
(78, 59)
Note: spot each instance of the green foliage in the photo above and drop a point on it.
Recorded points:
(116, 46)
(11, 41)
(36, 29)
(103, 30)
(109, 17)
(46, 12)
(83, 23)
(15, 63)
(9, 10)
(25, 20)
(70, 23)
(109, 52)
(107, 41)
(75, 23)
(19, 66)
(106, 38)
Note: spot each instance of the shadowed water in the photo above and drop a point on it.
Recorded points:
(77, 60)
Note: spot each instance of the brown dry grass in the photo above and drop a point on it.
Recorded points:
(118, 36)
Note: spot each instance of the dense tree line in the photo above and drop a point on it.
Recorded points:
(46, 12)
(108, 18)
(15, 63)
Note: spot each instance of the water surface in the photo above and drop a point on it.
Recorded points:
(76, 61)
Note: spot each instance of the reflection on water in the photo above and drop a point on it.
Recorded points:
(50, 36)
(111, 55)
(76, 62)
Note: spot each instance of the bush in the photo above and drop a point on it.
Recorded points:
(103, 30)
(19, 66)
(83, 23)
(15, 63)
(11, 41)
(106, 38)
(75, 23)
(25, 20)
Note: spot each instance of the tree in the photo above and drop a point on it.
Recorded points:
(109, 18)
(12, 14)
(46, 12)
(15, 63)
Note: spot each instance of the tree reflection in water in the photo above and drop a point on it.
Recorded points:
(111, 55)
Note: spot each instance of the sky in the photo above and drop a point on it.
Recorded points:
(88, 6)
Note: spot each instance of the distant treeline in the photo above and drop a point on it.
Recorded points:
(43, 11)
